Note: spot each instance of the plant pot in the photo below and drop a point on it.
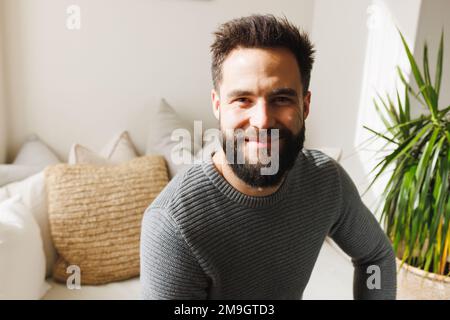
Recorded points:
(416, 284)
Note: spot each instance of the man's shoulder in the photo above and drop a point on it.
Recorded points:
(317, 159)
(322, 167)
(319, 171)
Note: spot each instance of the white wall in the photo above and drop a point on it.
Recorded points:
(83, 86)
(339, 34)
(435, 17)
(3, 130)
(354, 59)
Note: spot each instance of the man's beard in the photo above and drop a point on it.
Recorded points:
(250, 173)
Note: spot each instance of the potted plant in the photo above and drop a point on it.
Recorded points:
(416, 200)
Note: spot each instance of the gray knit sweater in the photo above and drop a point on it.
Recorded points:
(203, 239)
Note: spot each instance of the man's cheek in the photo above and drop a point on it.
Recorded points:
(293, 121)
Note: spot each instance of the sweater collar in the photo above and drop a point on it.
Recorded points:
(246, 200)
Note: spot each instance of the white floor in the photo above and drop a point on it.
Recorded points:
(332, 278)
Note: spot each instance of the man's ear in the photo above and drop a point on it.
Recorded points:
(215, 103)
(306, 104)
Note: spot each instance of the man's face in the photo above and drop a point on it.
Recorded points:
(262, 89)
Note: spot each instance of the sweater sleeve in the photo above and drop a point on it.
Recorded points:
(358, 233)
(169, 270)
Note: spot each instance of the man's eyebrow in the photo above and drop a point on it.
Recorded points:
(276, 92)
(283, 91)
(239, 93)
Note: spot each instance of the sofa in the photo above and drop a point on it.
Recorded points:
(332, 279)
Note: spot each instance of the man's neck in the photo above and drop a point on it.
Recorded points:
(221, 164)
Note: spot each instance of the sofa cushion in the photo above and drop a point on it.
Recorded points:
(22, 259)
(119, 149)
(32, 158)
(121, 290)
(165, 122)
(33, 194)
(95, 215)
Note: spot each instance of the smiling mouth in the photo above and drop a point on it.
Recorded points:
(261, 143)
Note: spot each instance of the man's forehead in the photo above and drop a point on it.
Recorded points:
(247, 68)
(262, 58)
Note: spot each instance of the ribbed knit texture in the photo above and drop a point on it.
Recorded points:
(95, 215)
(203, 239)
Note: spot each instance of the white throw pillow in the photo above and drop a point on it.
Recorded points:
(34, 196)
(35, 152)
(120, 149)
(11, 172)
(22, 259)
(32, 158)
(163, 124)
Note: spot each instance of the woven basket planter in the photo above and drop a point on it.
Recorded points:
(416, 284)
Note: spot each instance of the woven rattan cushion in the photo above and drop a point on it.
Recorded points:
(95, 215)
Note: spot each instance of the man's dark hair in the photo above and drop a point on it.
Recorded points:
(262, 31)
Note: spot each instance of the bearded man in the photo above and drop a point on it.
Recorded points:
(249, 222)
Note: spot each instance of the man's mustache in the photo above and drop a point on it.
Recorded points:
(257, 134)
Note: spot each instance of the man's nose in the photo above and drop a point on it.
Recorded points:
(261, 115)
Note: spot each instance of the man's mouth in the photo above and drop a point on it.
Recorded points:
(261, 143)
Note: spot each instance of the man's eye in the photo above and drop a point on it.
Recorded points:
(242, 100)
(282, 100)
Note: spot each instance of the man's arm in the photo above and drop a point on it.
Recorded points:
(359, 234)
(169, 270)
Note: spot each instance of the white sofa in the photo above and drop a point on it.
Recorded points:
(332, 278)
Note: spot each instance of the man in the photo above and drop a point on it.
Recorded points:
(224, 230)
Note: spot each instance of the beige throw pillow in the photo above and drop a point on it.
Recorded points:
(164, 122)
(95, 215)
(118, 150)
